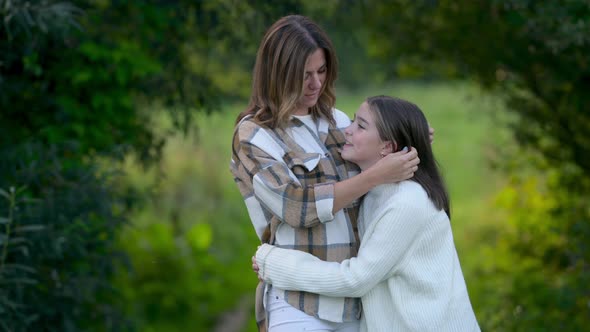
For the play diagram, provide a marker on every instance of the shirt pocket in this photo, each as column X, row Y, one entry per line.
column 306, row 167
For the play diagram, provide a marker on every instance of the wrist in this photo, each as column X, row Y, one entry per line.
column 261, row 255
column 371, row 177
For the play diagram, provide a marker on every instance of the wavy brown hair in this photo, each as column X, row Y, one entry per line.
column 403, row 122
column 278, row 75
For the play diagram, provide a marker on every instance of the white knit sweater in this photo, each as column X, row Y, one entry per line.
column 407, row 272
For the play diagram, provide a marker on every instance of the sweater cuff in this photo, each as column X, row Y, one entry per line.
column 261, row 255
column 324, row 201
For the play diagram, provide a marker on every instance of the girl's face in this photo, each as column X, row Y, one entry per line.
column 363, row 144
column 313, row 80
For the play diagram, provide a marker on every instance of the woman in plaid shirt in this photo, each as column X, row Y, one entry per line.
column 299, row 192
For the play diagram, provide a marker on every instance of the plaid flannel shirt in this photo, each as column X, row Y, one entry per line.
column 289, row 195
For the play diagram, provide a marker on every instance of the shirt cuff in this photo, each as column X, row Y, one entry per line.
column 324, row 201
column 261, row 255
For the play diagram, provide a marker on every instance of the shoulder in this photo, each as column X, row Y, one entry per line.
column 411, row 191
column 412, row 195
column 341, row 118
column 408, row 196
column 249, row 132
column 404, row 191
column 247, row 127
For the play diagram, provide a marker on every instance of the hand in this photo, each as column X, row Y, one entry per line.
column 431, row 134
column 396, row 167
column 255, row 267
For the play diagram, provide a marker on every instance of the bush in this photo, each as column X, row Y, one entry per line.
column 190, row 245
column 533, row 54
column 58, row 250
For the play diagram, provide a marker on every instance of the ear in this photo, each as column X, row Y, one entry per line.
column 389, row 147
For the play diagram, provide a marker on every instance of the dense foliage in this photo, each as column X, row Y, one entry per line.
column 191, row 243
column 57, row 234
column 59, row 212
column 78, row 81
column 81, row 87
column 534, row 54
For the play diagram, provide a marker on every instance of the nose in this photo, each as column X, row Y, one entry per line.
column 315, row 82
column 347, row 130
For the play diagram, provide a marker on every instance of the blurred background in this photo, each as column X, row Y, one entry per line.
column 118, row 211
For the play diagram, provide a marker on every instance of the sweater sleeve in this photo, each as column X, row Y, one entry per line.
column 382, row 250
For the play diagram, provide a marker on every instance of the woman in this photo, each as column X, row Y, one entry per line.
column 299, row 192
column 407, row 271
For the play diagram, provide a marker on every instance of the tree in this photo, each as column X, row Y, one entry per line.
column 79, row 82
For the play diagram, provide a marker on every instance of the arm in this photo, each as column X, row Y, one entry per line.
column 274, row 186
column 276, row 189
column 383, row 249
column 394, row 167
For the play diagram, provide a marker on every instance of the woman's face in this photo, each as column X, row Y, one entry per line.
column 363, row 144
column 313, row 80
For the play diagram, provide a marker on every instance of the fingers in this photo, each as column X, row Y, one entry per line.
column 412, row 158
column 411, row 166
column 431, row 134
column 255, row 267
column 409, row 158
column 410, row 173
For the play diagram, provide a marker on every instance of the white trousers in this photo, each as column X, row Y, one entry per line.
column 283, row 317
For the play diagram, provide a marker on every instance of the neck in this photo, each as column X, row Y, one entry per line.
column 366, row 165
column 301, row 111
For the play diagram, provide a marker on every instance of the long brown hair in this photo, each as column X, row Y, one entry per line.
column 278, row 75
column 403, row 122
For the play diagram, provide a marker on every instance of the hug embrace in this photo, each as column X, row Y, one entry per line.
column 356, row 235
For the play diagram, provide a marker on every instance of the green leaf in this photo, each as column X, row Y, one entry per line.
column 20, row 267
column 30, row 200
column 17, row 281
column 4, row 193
column 200, row 236
column 4, row 220
column 22, row 249
column 17, row 240
column 29, row 228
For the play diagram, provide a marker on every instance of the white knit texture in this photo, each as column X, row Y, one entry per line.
column 407, row 271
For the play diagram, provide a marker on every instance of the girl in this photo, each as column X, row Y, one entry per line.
column 407, row 271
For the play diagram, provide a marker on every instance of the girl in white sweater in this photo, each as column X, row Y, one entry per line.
column 407, row 271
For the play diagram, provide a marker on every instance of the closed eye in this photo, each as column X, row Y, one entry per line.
column 353, row 120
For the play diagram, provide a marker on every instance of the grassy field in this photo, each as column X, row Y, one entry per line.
column 465, row 136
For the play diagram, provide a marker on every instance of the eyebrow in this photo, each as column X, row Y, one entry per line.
column 311, row 71
column 361, row 119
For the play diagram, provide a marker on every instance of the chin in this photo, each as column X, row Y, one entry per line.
column 346, row 157
column 310, row 105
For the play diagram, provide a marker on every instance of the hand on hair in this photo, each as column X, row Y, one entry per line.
column 398, row 166
column 431, row 134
